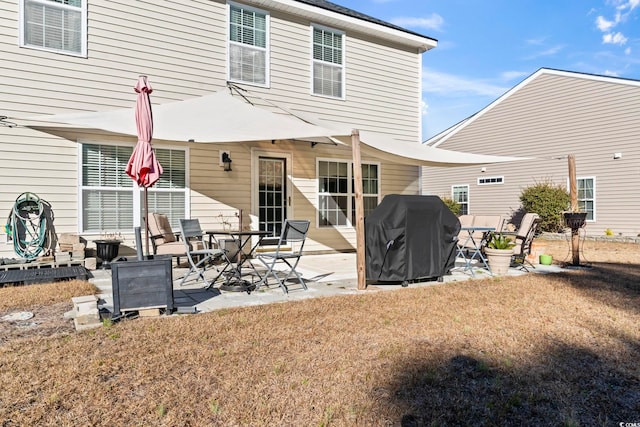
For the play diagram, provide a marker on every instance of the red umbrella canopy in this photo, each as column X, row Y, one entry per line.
column 143, row 167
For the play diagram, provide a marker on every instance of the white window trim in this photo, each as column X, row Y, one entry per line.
column 343, row 96
column 267, row 71
column 350, row 195
column 501, row 178
column 468, row 195
column 595, row 204
column 256, row 153
column 21, row 28
column 137, row 208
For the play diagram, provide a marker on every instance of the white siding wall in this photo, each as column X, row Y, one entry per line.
column 182, row 48
column 549, row 118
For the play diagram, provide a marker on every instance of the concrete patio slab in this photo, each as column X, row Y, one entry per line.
column 325, row 275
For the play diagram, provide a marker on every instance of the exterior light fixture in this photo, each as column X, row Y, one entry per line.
column 226, row 160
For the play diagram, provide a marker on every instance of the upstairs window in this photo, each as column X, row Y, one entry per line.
column 248, row 45
column 491, row 180
column 328, row 62
column 54, row 25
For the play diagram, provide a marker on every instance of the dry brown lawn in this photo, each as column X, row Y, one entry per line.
column 556, row 349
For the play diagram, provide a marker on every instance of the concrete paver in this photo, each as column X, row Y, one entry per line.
column 325, row 275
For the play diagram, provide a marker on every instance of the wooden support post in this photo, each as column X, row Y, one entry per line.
column 573, row 193
column 357, row 182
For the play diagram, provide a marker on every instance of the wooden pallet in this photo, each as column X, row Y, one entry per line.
column 42, row 272
column 41, row 264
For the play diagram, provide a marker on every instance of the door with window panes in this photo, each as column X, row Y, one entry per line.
column 272, row 195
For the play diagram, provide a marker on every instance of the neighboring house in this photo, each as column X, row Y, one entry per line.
column 548, row 116
column 309, row 56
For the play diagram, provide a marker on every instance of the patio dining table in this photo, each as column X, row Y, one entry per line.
column 246, row 243
column 470, row 248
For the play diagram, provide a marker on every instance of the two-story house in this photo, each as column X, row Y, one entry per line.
column 546, row 117
column 311, row 57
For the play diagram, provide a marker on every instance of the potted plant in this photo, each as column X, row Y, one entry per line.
column 499, row 250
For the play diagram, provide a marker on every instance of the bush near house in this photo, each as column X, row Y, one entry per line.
column 549, row 201
column 452, row 205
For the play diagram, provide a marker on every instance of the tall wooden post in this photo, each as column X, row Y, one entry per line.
column 573, row 193
column 357, row 182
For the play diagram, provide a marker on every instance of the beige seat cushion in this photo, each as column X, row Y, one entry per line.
column 160, row 229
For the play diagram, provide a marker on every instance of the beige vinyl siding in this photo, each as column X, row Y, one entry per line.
column 182, row 48
column 550, row 117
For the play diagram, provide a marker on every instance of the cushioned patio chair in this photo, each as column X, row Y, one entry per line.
column 163, row 240
column 288, row 252
column 200, row 256
column 523, row 238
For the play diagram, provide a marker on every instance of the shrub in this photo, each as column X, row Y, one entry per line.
column 452, row 205
column 500, row 241
column 549, row 201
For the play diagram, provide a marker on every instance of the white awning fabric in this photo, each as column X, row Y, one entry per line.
column 224, row 118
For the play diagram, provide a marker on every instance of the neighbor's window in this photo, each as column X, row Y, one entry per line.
column 460, row 195
column 328, row 62
column 587, row 196
column 248, row 45
column 491, row 180
column 336, row 198
column 55, row 25
column 108, row 192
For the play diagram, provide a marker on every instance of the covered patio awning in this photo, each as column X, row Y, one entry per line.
column 224, row 118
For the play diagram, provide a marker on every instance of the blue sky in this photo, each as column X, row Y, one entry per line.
column 487, row 47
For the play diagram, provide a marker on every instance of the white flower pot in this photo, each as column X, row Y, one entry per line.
column 499, row 260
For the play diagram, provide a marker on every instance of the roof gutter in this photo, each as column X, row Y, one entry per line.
column 333, row 18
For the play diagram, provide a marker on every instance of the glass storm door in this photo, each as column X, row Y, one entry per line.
column 272, row 194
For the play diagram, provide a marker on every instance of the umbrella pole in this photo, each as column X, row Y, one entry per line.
column 146, row 219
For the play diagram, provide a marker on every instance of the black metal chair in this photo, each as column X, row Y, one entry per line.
column 200, row 256
column 288, row 251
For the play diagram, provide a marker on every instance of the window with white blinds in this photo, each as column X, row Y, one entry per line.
column 55, row 25
column 248, row 45
column 108, row 192
column 328, row 62
column 168, row 195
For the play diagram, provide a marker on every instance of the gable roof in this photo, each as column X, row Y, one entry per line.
column 443, row 136
column 327, row 5
column 334, row 15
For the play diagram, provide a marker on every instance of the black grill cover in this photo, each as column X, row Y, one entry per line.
column 409, row 238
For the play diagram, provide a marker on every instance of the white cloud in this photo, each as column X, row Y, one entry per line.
column 611, row 38
column 452, row 85
column 603, row 24
column 548, row 52
column 512, row 75
column 424, row 107
column 610, row 73
column 536, row 42
column 627, row 51
column 623, row 10
column 433, row 22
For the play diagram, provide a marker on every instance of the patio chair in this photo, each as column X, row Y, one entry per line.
column 163, row 239
column 200, row 256
column 523, row 238
column 288, row 251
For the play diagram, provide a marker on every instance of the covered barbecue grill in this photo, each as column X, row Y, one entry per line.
column 409, row 238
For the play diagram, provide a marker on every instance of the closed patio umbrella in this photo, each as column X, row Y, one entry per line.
column 143, row 167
